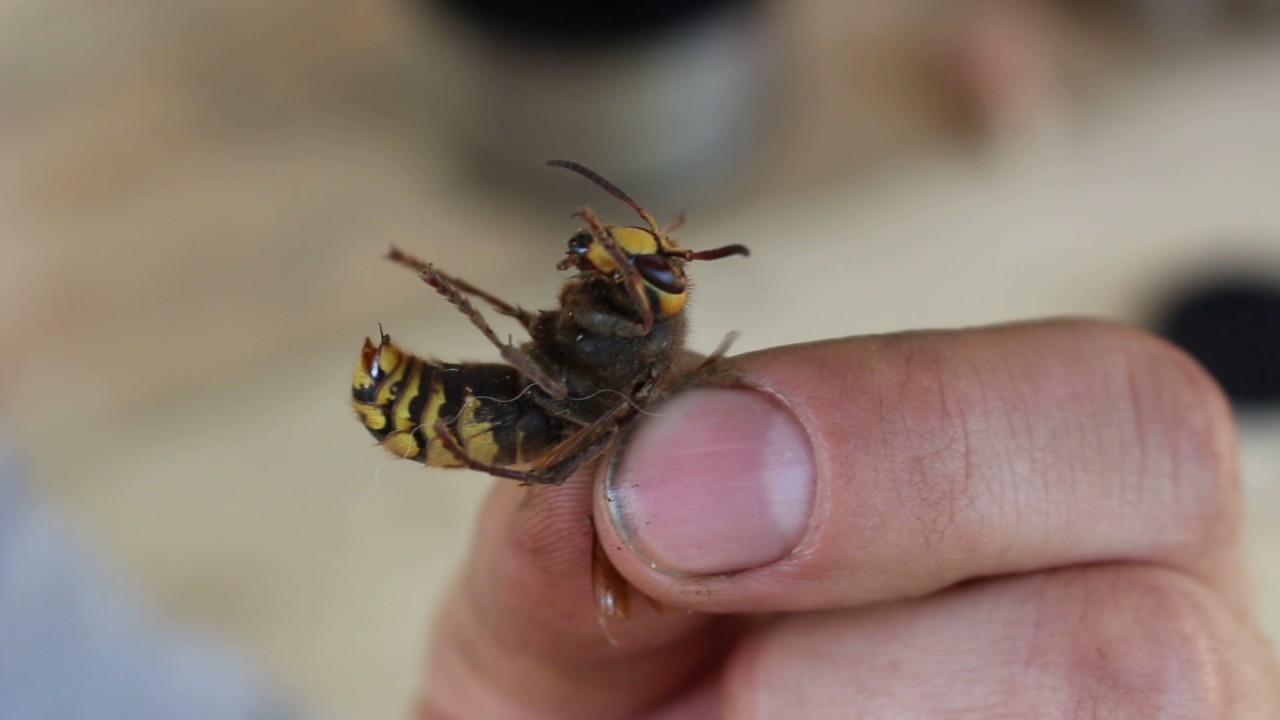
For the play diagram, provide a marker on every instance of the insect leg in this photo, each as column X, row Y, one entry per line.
column 631, row 279
column 525, row 317
column 446, row 438
column 554, row 475
column 721, row 350
column 396, row 255
column 558, row 464
column 675, row 224
column 519, row 360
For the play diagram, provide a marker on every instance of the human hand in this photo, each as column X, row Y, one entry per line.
column 1031, row 521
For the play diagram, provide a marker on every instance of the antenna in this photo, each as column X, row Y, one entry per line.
column 610, row 188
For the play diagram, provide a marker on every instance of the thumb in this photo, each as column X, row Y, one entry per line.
column 849, row 472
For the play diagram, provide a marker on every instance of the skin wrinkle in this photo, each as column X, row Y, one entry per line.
column 976, row 424
column 1051, row 609
column 822, row 509
column 522, row 659
column 1060, row 420
column 469, row 663
column 827, row 458
column 1209, row 435
column 548, row 541
column 1103, row 432
column 1200, row 495
column 922, row 387
column 1106, row 435
column 882, row 454
column 549, row 536
column 1143, row 636
column 1142, row 450
column 904, row 496
column 1206, row 487
column 1040, row 623
column 970, row 484
column 1000, row 407
column 1088, row 433
column 1023, row 458
column 871, row 514
column 1148, row 446
column 1036, row 424
column 1053, row 633
column 961, row 484
column 522, row 672
column 1202, row 499
column 946, row 479
column 1121, row 370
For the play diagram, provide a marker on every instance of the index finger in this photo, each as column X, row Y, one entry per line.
column 519, row 637
column 862, row 470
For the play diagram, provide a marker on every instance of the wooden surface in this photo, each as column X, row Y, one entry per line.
column 202, row 190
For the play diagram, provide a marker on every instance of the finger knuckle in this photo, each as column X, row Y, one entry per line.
column 1183, row 433
column 1146, row 644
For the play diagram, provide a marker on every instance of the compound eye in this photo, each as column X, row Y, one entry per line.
column 579, row 246
column 579, row 242
column 660, row 273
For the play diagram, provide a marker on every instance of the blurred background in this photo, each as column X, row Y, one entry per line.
column 195, row 197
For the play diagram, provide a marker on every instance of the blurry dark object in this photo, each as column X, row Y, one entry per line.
column 998, row 70
column 571, row 20
column 1179, row 20
column 1253, row 12
column 1232, row 326
column 672, row 97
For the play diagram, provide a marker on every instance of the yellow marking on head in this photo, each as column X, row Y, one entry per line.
column 670, row 304
column 632, row 240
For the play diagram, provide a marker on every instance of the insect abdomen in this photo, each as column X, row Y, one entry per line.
column 485, row 407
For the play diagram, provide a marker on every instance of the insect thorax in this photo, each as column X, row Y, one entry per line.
column 591, row 339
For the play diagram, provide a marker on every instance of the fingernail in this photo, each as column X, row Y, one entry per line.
column 713, row 481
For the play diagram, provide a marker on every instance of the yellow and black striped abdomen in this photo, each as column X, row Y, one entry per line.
column 485, row 407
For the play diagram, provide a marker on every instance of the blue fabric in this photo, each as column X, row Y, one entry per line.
column 75, row 644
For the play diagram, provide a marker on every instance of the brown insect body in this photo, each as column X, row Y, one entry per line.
column 589, row 366
column 588, row 339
